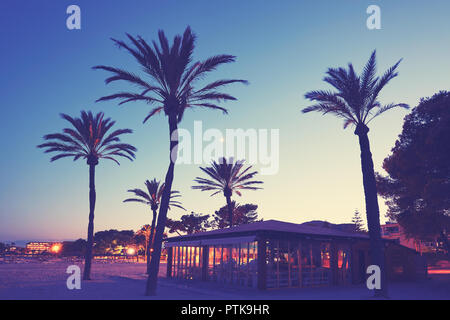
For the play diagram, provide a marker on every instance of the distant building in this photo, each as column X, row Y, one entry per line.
column 12, row 249
column 394, row 231
column 38, row 247
column 41, row 247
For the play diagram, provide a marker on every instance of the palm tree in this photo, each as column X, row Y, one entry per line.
column 170, row 83
column 152, row 198
column 356, row 102
column 89, row 140
column 227, row 178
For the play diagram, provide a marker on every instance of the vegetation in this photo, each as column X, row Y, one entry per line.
column 227, row 178
column 152, row 198
column 143, row 235
column 106, row 241
column 242, row 214
column 355, row 100
column 194, row 222
column 89, row 139
column 171, row 84
column 74, row 248
column 109, row 242
column 189, row 224
column 417, row 187
column 358, row 222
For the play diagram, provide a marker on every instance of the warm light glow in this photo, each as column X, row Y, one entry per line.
column 438, row 271
column 131, row 251
column 56, row 248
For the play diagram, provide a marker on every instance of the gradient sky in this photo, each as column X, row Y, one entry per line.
column 283, row 49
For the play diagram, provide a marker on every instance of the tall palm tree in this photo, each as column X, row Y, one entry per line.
column 227, row 177
column 89, row 139
column 170, row 83
column 356, row 102
column 152, row 198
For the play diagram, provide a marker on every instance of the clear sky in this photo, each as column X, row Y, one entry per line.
column 283, row 49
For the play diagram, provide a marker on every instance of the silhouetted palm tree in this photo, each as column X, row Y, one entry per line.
column 356, row 102
column 227, row 178
column 152, row 198
column 170, row 83
column 90, row 140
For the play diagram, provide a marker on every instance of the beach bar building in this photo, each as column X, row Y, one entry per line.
column 273, row 254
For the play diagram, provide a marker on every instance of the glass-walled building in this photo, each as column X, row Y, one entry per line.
column 270, row 254
column 231, row 260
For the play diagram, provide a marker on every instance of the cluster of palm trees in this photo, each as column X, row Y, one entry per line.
column 168, row 81
column 226, row 176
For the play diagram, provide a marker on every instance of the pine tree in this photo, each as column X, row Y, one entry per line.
column 358, row 222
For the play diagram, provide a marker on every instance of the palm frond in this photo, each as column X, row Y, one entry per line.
column 226, row 174
column 172, row 75
column 153, row 195
column 135, row 200
column 368, row 77
column 155, row 111
column 387, row 107
column 87, row 139
column 217, row 84
column 355, row 96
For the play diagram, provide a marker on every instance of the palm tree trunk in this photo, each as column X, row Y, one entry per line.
column 372, row 209
column 157, row 243
column 230, row 210
column 150, row 240
column 90, row 236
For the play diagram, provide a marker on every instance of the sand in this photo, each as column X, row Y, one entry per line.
column 47, row 280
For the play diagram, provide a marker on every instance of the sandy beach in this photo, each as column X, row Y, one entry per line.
column 117, row 281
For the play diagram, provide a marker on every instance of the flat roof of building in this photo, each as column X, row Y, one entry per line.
column 271, row 226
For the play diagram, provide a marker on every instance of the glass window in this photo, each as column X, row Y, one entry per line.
column 325, row 255
column 344, row 273
column 235, row 263
column 217, row 262
column 172, row 274
column 253, row 265
column 174, row 264
column 315, row 264
column 271, row 263
column 243, row 264
column 226, row 264
column 211, row 261
column 283, row 264
column 295, row 267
